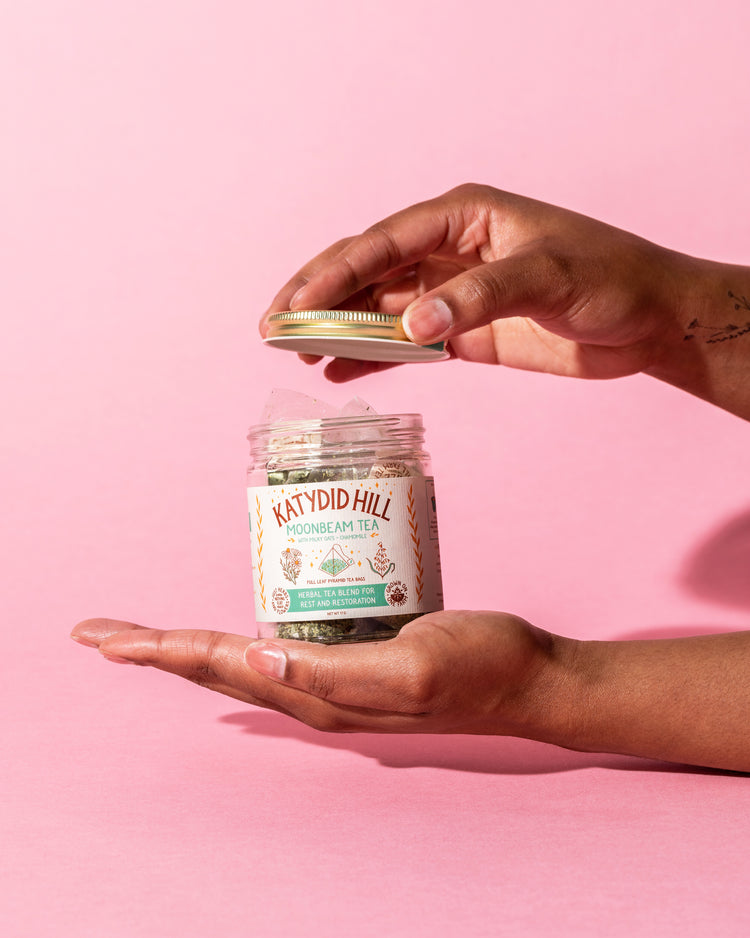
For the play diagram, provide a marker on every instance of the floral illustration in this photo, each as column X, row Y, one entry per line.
column 291, row 563
column 383, row 564
column 740, row 302
column 712, row 334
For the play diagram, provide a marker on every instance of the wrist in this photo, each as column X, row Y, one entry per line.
column 572, row 698
column 703, row 345
column 557, row 701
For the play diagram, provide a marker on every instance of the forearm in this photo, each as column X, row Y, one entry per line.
column 707, row 349
column 681, row 700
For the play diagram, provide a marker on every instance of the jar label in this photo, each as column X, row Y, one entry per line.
column 345, row 549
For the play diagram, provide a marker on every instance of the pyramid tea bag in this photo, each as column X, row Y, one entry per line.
column 335, row 562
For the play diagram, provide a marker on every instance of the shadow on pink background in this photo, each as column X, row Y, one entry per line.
column 165, row 167
column 717, row 569
column 494, row 756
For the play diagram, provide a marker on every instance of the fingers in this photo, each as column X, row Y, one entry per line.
column 92, row 632
column 387, row 249
column 341, row 370
column 444, row 672
column 535, row 282
column 283, row 299
column 217, row 661
column 396, row 676
column 211, row 659
column 479, row 255
column 197, row 655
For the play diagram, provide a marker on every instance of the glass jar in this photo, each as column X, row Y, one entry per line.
column 343, row 527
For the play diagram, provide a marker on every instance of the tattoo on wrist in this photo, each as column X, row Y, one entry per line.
column 733, row 330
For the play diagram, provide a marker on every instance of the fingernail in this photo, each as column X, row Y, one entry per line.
column 426, row 321
column 116, row 660
column 295, row 299
column 267, row 659
column 84, row 641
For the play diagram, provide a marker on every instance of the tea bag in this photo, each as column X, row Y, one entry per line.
column 282, row 406
column 285, row 409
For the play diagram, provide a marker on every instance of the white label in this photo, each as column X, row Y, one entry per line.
column 345, row 549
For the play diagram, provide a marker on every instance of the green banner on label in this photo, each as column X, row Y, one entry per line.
column 322, row 598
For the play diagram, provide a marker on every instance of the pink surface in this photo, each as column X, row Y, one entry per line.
column 164, row 167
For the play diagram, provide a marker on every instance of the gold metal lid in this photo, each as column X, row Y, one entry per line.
column 345, row 333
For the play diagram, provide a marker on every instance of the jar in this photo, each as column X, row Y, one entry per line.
column 343, row 527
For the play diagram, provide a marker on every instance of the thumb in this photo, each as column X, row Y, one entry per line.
column 306, row 666
column 376, row 675
column 528, row 283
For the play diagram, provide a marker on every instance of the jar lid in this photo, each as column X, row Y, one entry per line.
column 344, row 333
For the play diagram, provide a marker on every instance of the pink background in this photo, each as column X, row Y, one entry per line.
column 164, row 166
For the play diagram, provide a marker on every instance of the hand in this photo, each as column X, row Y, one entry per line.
column 505, row 280
column 478, row 673
column 447, row 672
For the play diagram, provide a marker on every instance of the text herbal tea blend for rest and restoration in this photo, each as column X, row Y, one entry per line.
column 343, row 527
